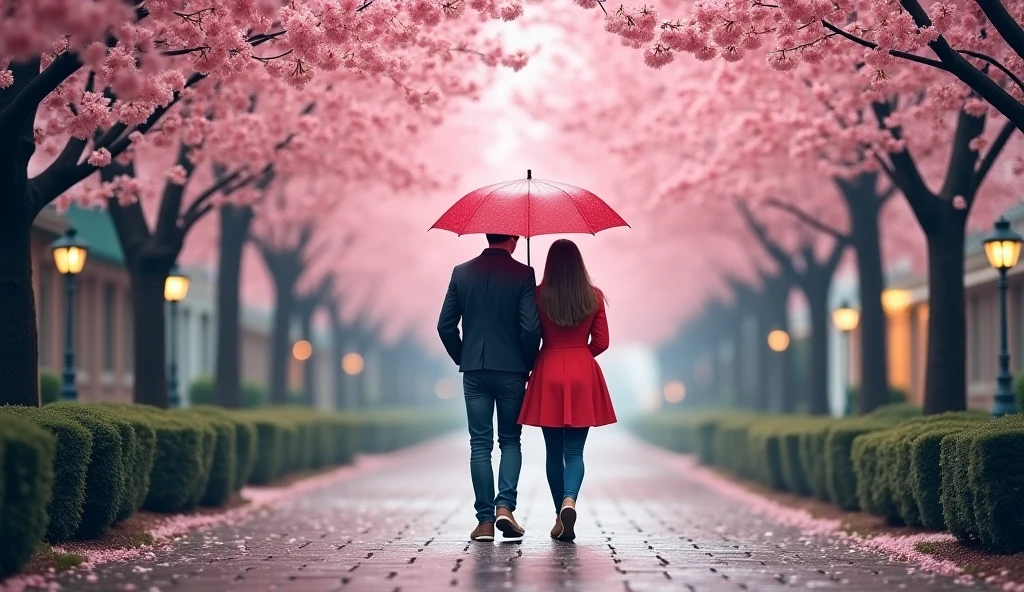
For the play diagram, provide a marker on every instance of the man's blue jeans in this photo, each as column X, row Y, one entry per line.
column 486, row 390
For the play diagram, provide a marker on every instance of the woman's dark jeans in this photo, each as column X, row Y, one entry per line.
column 564, row 462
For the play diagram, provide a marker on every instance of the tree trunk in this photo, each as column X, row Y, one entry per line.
column 150, row 335
column 342, row 394
column 19, row 336
column 280, row 350
column 764, row 384
column 234, row 230
column 309, row 365
column 817, row 394
column 945, row 384
column 863, row 203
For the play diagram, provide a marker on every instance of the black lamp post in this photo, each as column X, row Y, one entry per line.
column 846, row 318
column 69, row 255
column 1002, row 248
column 175, row 290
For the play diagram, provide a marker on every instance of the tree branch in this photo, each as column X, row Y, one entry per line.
column 895, row 53
column 1004, row 23
column 34, row 92
column 808, row 219
column 994, row 62
column 780, row 256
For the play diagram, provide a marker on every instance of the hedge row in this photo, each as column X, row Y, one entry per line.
column 71, row 471
column 956, row 471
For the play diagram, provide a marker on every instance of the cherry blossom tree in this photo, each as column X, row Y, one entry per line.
column 980, row 43
column 85, row 80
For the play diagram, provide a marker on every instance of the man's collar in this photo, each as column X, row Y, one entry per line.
column 499, row 252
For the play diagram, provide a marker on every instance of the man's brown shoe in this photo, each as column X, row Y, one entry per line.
column 484, row 532
column 567, row 516
column 556, row 530
column 507, row 524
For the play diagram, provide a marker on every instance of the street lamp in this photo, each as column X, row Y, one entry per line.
column 302, row 350
column 674, row 391
column 1002, row 248
column 778, row 340
column 846, row 318
column 175, row 290
column 69, row 255
column 352, row 363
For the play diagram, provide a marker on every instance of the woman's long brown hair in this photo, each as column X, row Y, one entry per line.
column 568, row 297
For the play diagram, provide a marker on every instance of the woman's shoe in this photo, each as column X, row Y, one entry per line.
column 556, row 530
column 567, row 516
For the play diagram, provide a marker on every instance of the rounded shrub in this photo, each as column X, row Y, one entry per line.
column 178, row 462
column 26, row 467
column 245, row 441
column 220, row 483
column 104, row 478
column 49, row 387
column 129, row 456
column 200, row 392
column 70, row 463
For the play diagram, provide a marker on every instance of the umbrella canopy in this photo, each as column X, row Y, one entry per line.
column 529, row 207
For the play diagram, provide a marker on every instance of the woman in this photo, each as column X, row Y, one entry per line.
column 567, row 394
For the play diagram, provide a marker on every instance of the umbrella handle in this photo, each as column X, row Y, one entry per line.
column 528, row 252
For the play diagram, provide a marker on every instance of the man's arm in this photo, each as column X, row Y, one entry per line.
column 529, row 320
column 448, row 323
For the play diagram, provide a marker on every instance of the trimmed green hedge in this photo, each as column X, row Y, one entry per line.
column 982, row 493
column 112, row 459
column 26, row 467
column 104, row 478
column 953, row 470
column 70, row 461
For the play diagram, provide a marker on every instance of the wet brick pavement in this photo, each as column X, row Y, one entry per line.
column 404, row 528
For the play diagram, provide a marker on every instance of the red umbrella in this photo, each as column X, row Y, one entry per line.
column 529, row 207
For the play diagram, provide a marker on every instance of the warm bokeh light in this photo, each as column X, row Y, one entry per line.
column 352, row 363
column 176, row 287
column 302, row 350
column 846, row 318
column 895, row 300
column 778, row 340
column 674, row 391
column 446, row 388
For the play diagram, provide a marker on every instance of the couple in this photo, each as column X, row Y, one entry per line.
column 504, row 316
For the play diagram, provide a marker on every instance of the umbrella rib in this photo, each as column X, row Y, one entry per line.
column 574, row 204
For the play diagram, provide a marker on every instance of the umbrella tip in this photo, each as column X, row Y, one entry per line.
column 529, row 173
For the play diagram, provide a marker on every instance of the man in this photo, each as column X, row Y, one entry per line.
column 494, row 296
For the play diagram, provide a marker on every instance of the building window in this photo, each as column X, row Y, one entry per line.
column 129, row 333
column 204, row 344
column 974, row 325
column 109, row 298
column 45, row 320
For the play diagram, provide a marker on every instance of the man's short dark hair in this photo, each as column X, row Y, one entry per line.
column 495, row 239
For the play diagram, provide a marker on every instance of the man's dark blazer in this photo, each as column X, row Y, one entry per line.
column 495, row 297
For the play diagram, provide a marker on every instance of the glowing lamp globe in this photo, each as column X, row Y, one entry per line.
column 352, row 363
column 302, row 350
column 69, row 253
column 176, row 285
column 778, row 340
column 895, row 300
column 845, row 318
column 1002, row 245
column 674, row 392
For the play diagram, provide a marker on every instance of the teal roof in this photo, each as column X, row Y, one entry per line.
column 96, row 228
